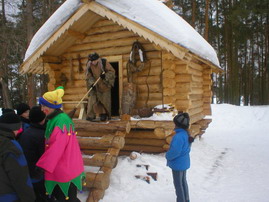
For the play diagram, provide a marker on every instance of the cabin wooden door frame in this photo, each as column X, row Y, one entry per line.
column 118, row 59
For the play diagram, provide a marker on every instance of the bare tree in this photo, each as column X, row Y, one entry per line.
column 4, row 55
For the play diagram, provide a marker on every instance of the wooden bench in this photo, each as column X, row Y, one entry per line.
column 81, row 107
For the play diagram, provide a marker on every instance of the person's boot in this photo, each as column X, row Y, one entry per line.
column 103, row 117
column 90, row 118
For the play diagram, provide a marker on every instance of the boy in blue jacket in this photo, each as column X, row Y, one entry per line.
column 178, row 156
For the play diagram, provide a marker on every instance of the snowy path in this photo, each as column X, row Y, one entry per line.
column 237, row 144
column 229, row 164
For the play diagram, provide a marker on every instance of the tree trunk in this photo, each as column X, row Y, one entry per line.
column 206, row 19
column 193, row 13
column 31, row 78
column 4, row 65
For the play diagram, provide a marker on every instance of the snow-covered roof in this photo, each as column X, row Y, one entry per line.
column 151, row 14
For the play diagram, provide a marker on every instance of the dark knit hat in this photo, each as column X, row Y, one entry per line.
column 6, row 110
column 36, row 115
column 182, row 120
column 93, row 56
column 21, row 108
column 10, row 121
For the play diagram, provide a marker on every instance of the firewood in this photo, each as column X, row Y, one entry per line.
column 153, row 175
column 143, row 165
column 145, row 178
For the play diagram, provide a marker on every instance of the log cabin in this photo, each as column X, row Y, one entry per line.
column 158, row 57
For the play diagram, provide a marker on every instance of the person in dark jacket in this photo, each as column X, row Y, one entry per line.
column 7, row 110
column 178, row 156
column 15, row 182
column 23, row 110
column 32, row 142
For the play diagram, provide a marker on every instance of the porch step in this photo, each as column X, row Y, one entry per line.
column 100, row 143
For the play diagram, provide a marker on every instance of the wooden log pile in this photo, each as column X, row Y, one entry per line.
column 103, row 141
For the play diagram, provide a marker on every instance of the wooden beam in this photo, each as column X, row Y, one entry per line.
column 76, row 34
column 87, row 1
column 51, row 59
column 176, row 50
column 27, row 64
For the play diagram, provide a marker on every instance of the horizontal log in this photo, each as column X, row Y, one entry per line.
column 150, row 96
column 151, row 103
column 169, row 99
column 207, row 71
column 73, row 90
column 168, row 56
column 194, row 130
column 142, row 134
column 96, row 195
column 207, row 112
column 123, row 42
column 183, row 96
column 144, row 142
column 196, row 66
column 196, row 117
column 195, row 72
column 149, row 54
column 183, row 87
column 103, row 29
column 195, row 96
column 196, row 103
column 147, row 80
column 103, row 22
column 188, row 78
column 110, row 127
column 97, row 180
column 108, row 36
column 204, row 123
column 183, row 103
column 183, row 78
column 93, row 151
column 150, row 124
column 182, row 69
column 169, row 91
column 153, row 88
column 196, row 110
column 104, row 52
column 143, row 149
column 105, row 141
column 100, row 160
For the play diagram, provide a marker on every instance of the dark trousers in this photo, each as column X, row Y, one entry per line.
column 40, row 191
column 72, row 194
column 181, row 186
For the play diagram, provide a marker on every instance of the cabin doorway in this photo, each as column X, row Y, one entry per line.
column 115, row 98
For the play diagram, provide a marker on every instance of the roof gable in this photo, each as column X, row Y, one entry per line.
column 148, row 18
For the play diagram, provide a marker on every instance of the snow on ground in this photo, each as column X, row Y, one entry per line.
column 228, row 164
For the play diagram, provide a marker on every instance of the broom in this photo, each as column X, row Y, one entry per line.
column 73, row 111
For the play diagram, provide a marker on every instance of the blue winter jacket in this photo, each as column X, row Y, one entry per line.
column 178, row 156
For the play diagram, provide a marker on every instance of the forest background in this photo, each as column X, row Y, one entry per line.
column 237, row 29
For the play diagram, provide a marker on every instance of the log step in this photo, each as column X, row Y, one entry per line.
column 103, row 141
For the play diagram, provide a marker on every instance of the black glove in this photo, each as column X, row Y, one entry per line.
column 92, row 86
column 103, row 76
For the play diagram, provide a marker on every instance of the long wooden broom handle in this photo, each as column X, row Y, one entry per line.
column 94, row 84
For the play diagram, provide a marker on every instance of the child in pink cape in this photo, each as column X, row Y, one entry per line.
column 62, row 160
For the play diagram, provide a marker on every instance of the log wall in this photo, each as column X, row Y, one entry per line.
column 109, row 39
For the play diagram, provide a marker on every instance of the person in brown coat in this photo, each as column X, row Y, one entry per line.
column 99, row 100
